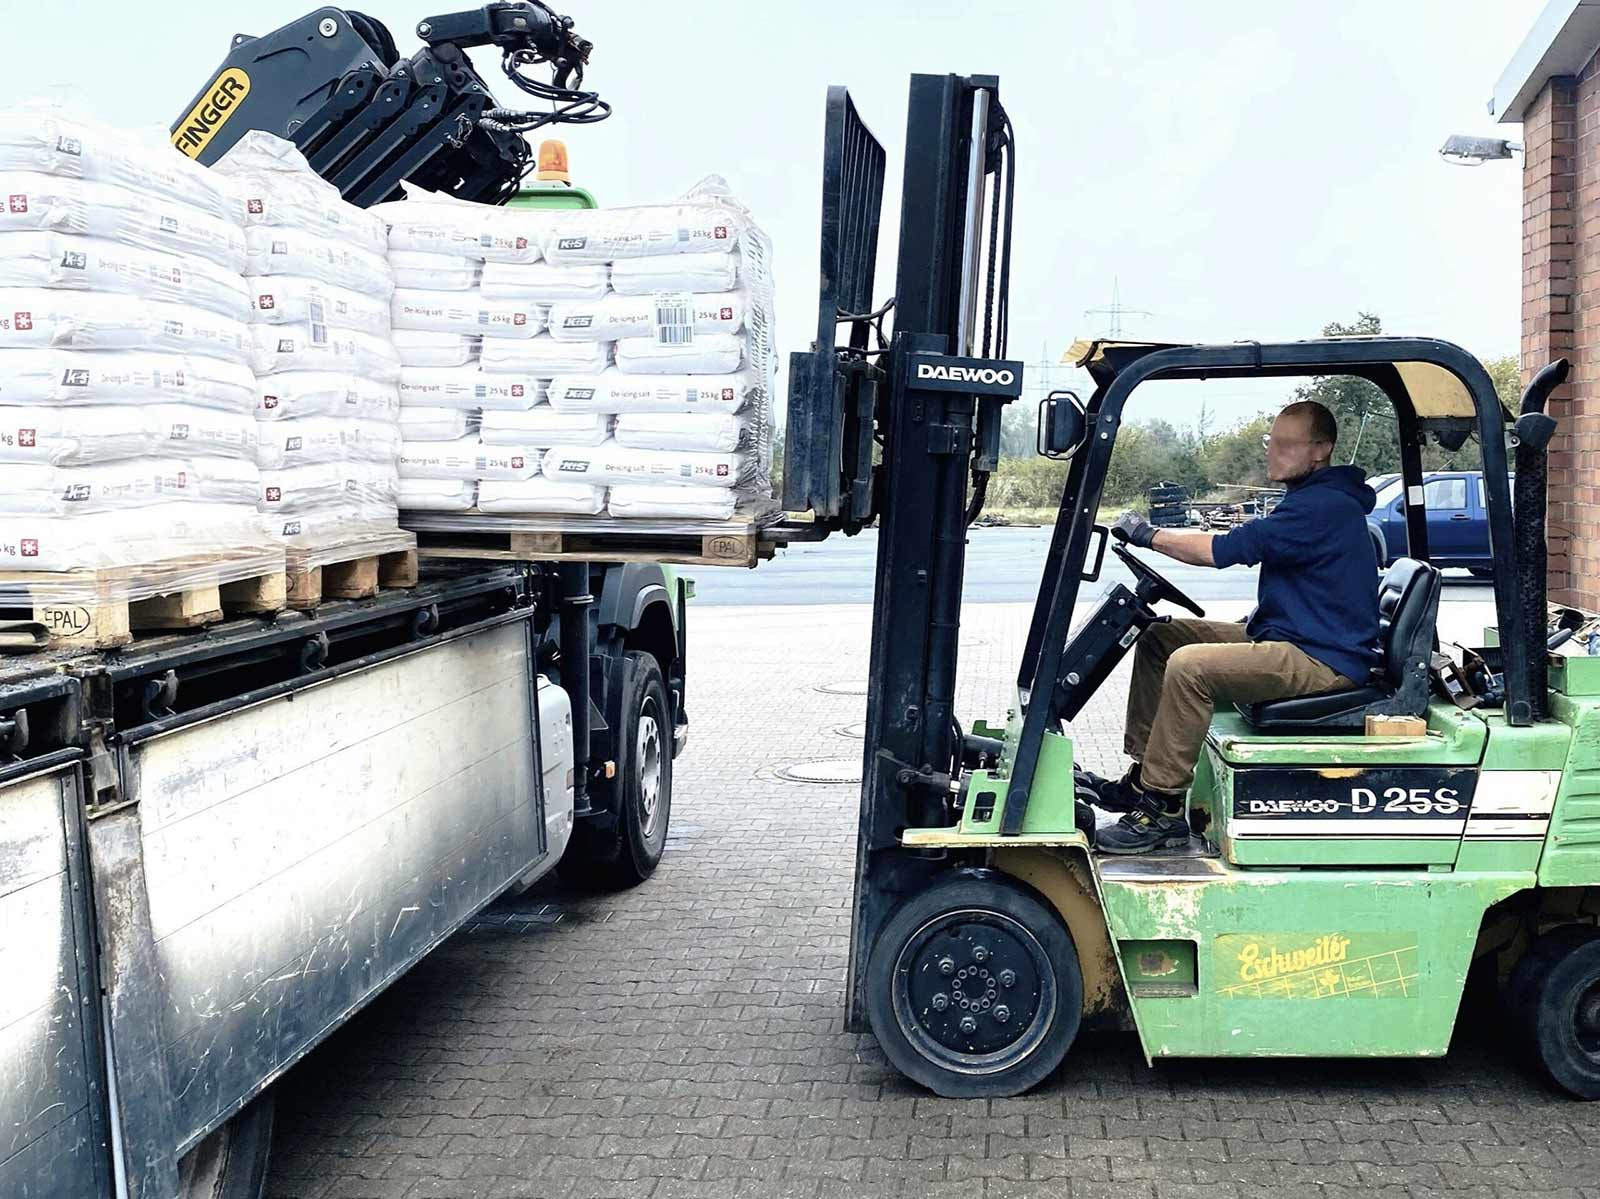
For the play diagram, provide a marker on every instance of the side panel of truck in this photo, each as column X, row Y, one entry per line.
column 50, row 1135
column 297, row 854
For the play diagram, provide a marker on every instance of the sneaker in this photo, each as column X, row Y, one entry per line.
column 1145, row 828
column 1109, row 795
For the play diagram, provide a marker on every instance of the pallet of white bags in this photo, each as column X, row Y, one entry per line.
column 103, row 609
column 488, row 538
column 357, row 568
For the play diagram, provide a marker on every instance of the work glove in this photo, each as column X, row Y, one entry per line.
column 1135, row 530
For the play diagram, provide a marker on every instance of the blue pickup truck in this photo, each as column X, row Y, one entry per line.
column 1458, row 520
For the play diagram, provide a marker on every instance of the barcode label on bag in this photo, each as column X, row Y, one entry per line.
column 674, row 318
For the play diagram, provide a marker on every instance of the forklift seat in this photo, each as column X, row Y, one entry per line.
column 1408, row 609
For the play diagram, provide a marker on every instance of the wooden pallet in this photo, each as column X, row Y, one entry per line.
column 353, row 572
column 742, row 546
column 104, row 618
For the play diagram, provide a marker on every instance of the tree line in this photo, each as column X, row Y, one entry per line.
column 1222, row 464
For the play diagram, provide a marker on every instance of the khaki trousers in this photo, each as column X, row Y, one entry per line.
column 1183, row 669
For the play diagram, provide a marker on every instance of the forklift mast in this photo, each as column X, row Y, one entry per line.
column 932, row 399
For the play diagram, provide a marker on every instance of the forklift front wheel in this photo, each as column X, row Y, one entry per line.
column 974, row 988
column 1560, row 997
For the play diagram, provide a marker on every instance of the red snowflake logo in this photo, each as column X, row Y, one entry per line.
column 727, row 395
column 255, row 207
column 727, row 314
column 266, row 302
column 30, row 547
column 516, row 462
column 18, row 204
column 518, row 390
column 27, row 437
column 522, row 243
column 274, row 494
column 720, row 233
column 23, row 321
column 520, row 318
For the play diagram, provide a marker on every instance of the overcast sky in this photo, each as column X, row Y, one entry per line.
column 1251, row 169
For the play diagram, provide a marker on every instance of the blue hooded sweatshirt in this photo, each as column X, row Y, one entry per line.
column 1318, row 588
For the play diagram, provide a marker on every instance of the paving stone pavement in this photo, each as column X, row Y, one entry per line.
column 685, row 1039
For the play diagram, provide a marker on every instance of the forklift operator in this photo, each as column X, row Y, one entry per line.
column 1315, row 627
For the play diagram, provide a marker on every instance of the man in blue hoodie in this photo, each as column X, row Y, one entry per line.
column 1315, row 626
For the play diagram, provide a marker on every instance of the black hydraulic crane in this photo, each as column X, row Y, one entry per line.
column 333, row 83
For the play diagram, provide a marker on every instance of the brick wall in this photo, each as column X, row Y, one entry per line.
column 1561, row 314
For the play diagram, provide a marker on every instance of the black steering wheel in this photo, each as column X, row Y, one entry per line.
column 1151, row 586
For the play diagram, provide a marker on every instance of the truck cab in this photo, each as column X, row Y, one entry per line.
column 1458, row 520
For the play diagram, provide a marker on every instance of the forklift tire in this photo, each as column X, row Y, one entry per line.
column 231, row 1162
column 627, row 853
column 974, row 988
column 1561, row 1013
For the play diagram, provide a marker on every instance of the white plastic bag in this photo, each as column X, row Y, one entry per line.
column 613, row 391
column 434, row 424
column 611, row 234
column 437, row 495
column 482, row 231
column 434, row 349
column 270, row 183
column 300, row 348
column 709, row 354
column 546, row 357
column 544, row 426
column 59, row 260
column 541, row 496
column 86, row 436
column 467, row 458
column 358, row 486
column 321, row 528
column 700, row 432
column 612, row 465
column 685, row 503
column 117, row 486
column 717, row 271
column 433, row 272
column 671, row 318
column 468, row 388
column 465, row 312
column 75, row 378
column 47, row 139
column 34, row 318
column 275, row 250
column 294, row 394
column 37, row 203
column 316, row 439
column 544, row 282
column 290, row 300
column 136, row 537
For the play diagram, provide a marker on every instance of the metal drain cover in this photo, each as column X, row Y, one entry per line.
column 843, row 688
column 858, row 731
column 834, row 770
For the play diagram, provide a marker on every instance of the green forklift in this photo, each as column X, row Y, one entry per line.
column 1337, row 887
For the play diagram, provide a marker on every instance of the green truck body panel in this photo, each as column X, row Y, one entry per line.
column 556, row 196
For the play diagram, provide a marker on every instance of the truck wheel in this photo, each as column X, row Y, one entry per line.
column 1560, row 995
column 231, row 1163
column 974, row 988
column 627, row 854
